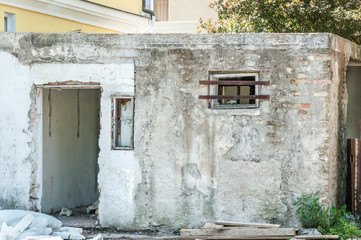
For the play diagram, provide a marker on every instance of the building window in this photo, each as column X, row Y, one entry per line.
column 234, row 90
column 9, row 22
column 161, row 10
column 5, row 24
column 122, row 122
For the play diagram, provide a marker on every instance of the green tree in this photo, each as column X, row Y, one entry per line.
column 341, row 17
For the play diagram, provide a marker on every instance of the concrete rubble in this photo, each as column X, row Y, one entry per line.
column 65, row 212
column 28, row 225
column 93, row 208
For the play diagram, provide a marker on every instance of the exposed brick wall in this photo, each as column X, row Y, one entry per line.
column 198, row 164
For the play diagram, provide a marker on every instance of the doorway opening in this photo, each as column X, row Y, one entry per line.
column 353, row 130
column 70, row 147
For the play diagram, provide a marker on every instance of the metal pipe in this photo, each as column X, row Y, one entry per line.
column 151, row 12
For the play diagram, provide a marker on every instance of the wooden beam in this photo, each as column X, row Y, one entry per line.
column 235, row 83
column 316, row 237
column 244, row 224
column 236, row 231
column 238, row 237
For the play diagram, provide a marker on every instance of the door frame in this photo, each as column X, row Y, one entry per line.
column 38, row 130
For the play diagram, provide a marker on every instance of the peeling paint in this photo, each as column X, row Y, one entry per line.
column 190, row 164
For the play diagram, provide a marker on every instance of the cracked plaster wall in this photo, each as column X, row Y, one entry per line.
column 191, row 164
column 342, row 52
column 15, row 164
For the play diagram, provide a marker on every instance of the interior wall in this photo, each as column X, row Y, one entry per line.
column 70, row 148
column 353, row 81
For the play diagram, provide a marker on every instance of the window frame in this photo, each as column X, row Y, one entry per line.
column 9, row 22
column 6, row 23
column 114, row 125
column 216, row 77
column 213, row 90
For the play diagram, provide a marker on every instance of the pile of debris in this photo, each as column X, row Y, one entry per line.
column 92, row 209
column 239, row 230
column 28, row 225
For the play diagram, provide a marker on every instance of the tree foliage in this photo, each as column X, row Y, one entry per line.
column 341, row 17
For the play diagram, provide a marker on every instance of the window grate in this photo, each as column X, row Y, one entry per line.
column 235, row 83
column 263, row 97
column 234, row 90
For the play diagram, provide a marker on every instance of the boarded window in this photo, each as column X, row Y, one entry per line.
column 234, row 90
column 122, row 122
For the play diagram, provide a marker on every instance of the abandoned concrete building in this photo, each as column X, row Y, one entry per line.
column 175, row 130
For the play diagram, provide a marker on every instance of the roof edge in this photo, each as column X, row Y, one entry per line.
column 85, row 12
column 345, row 46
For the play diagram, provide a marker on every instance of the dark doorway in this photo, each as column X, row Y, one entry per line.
column 70, row 147
column 353, row 184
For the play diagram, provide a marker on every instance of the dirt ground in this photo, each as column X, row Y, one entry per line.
column 90, row 226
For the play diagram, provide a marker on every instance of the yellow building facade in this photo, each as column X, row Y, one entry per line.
column 181, row 16
column 95, row 16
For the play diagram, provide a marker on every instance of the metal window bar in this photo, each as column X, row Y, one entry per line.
column 235, row 83
column 261, row 97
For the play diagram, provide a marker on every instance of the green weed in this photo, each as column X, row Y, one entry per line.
column 330, row 221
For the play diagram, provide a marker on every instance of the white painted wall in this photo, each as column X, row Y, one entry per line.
column 15, row 143
column 18, row 145
column 70, row 159
column 118, row 167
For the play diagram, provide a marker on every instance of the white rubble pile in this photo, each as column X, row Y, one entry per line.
column 70, row 233
column 28, row 225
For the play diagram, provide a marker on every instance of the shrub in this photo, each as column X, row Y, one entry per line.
column 312, row 214
column 330, row 221
column 343, row 224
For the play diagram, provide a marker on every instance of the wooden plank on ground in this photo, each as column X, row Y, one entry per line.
column 238, row 237
column 316, row 237
column 236, row 231
column 244, row 224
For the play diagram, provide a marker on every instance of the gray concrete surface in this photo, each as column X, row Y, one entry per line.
column 190, row 164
